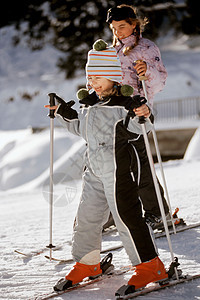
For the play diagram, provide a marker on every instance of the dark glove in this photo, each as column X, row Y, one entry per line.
column 65, row 108
column 135, row 101
column 138, row 101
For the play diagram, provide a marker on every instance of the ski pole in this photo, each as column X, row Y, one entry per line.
column 142, row 79
column 51, row 115
column 149, row 154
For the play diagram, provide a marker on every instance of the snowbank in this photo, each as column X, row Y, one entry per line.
column 193, row 149
column 25, row 157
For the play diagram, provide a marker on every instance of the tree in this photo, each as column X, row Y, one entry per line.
column 76, row 28
column 73, row 26
column 29, row 18
column 191, row 20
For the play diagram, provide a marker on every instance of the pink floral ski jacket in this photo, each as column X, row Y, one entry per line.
column 156, row 73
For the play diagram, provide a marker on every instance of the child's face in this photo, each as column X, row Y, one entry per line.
column 101, row 85
column 122, row 29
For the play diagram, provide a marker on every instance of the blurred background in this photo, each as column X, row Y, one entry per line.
column 72, row 26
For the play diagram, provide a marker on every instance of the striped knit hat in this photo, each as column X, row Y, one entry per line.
column 103, row 61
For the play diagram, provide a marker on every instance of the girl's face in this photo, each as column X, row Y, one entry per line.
column 122, row 29
column 101, row 85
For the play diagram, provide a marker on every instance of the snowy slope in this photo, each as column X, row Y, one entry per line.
column 25, row 157
column 25, row 226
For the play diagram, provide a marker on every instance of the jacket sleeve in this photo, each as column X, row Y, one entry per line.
column 156, row 72
column 68, row 117
column 135, row 126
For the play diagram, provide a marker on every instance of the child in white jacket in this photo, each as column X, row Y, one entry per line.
column 108, row 184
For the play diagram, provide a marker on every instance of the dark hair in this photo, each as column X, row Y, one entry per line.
column 120, row 13
column 129, row 14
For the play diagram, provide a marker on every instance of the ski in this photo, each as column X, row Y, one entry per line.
column 36, row 253
column 176, row 220
column 159, row 234
column 179, row 228
column 152, row 287
column 112, row 248
column 78, row 286
column 109, row 230
column 70, row 260
column 83, row 284
column 31, row 254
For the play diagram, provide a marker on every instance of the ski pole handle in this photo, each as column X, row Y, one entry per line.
column 52, row 103
column 137, row 102
column 141, row 77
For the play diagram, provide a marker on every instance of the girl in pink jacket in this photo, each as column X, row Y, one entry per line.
column 131, row 47
column 139, row 57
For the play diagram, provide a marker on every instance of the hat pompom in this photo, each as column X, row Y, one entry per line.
column 82, row 93
column 127, row 90
column 100, row 45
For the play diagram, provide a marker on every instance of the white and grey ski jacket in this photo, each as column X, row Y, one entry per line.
column 103, row 126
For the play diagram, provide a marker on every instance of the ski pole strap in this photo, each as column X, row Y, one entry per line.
column 52, row 103
column 137, row 101
column 142, row 120
column 61, row 101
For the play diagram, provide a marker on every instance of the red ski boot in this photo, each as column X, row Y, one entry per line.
column 146, row 272
column 77, row 274
column 81, row 271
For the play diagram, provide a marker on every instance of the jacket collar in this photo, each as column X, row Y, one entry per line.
column 93, row 99
column 130, row 40
column 90, row 100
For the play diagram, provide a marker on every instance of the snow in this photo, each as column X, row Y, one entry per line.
column 24, row 178
column 24, row 224
column 25, row 157
column 192, row 151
